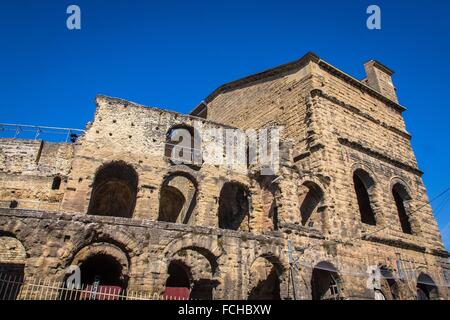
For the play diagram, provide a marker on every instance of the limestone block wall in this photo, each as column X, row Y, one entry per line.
column 122, row 131
column 333, row 125
column 27, row 171
column 230, row 260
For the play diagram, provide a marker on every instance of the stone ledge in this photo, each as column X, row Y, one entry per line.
column 376, row 154
column 351, row 108
column 399, row 243
column 142, row 223
column 301, row 230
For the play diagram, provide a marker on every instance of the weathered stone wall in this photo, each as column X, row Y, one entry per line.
column 146, row 248
column 27, row 170
column 346, row 126
column 333, row 125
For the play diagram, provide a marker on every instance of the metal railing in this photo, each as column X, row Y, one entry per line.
column 14, row 287
column 23, row 131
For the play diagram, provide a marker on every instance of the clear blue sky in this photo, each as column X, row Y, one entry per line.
column 171, row 54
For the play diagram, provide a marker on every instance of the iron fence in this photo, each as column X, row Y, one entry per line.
column 23, row 131
column 15, row 287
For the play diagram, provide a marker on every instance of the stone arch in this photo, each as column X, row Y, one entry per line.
column 326, row 283
column 200, row 244
column 364, row 186
column 20, row 236
column 11, row 249
column 402, row 197
column 201, row 266
column 399, row 180
column 178, row 198
column 177, row 151
column 114, row 190
column 311, row 200
column 212, row 248
column 426, row 288
column 234, row 206
column 102, row 234
column 270, row 192
column 104, row 263
column 198, row 264
column 264, row 278
column 389, row 287
column 12, row 266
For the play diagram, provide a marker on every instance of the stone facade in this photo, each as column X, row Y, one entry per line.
column 347, row 203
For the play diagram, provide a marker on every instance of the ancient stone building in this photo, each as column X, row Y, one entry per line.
column 345, row 217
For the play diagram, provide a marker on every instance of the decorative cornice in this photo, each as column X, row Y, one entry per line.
column 320, row 93
column 309, row 57
column 376, row 154
column 399, row 243
column 349, row 79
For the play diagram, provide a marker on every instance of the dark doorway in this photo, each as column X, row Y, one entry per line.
column 312, row 196
column 203, row 289
column 264, row 281
column 400, row 196
column 234, row 207
column 178, row 198
column 102, row 278
column 178, row 284
column 267, row 289
column 362, row 195
column 171, row 203
column 389, row 286
column 426, row 288
column 102, row 268
column 325, row 282
column 114, row 191
column 11, row 279
column 56, row 183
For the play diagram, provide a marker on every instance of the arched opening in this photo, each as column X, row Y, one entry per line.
column 363, row 183
column 401, row 196
column 270, row 193
column 264, row 281
column 183, row 146
column 171, row 203
column 199, row 266
column 102, row 278
column 310, row 197
column 203, row 289
column 426, row 288
column 178, row 284
column 177, row 199
column 234, row 207
column 56, row 184
column 102, row 268
column 388, row 286
column 114, row 190
column 325, row 282
column 12, row 267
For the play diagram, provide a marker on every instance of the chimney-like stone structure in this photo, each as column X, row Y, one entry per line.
column 379, row 77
